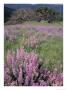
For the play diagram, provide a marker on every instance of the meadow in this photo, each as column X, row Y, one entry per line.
column 42, row 38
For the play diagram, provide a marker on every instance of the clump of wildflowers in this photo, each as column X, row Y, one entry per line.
column 25, row 69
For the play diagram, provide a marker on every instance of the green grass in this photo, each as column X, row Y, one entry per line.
column 51, row 52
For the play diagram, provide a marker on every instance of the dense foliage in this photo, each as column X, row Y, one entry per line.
column 30, row 14
column 25, row 69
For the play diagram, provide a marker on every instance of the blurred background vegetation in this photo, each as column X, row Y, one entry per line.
column 33, row 13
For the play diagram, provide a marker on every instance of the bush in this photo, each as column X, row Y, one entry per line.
column 25, row 69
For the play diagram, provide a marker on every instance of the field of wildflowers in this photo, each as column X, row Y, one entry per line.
column 33, row 54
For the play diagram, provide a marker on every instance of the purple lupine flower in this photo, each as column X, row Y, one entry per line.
column 20, row 78
column 27, row 81
column 18, row 55
column 22, row 52
column 30, row 70
column 27, row 72
column 9, row 58
column 13, row 83
column 14, row 67
column 42, row 83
